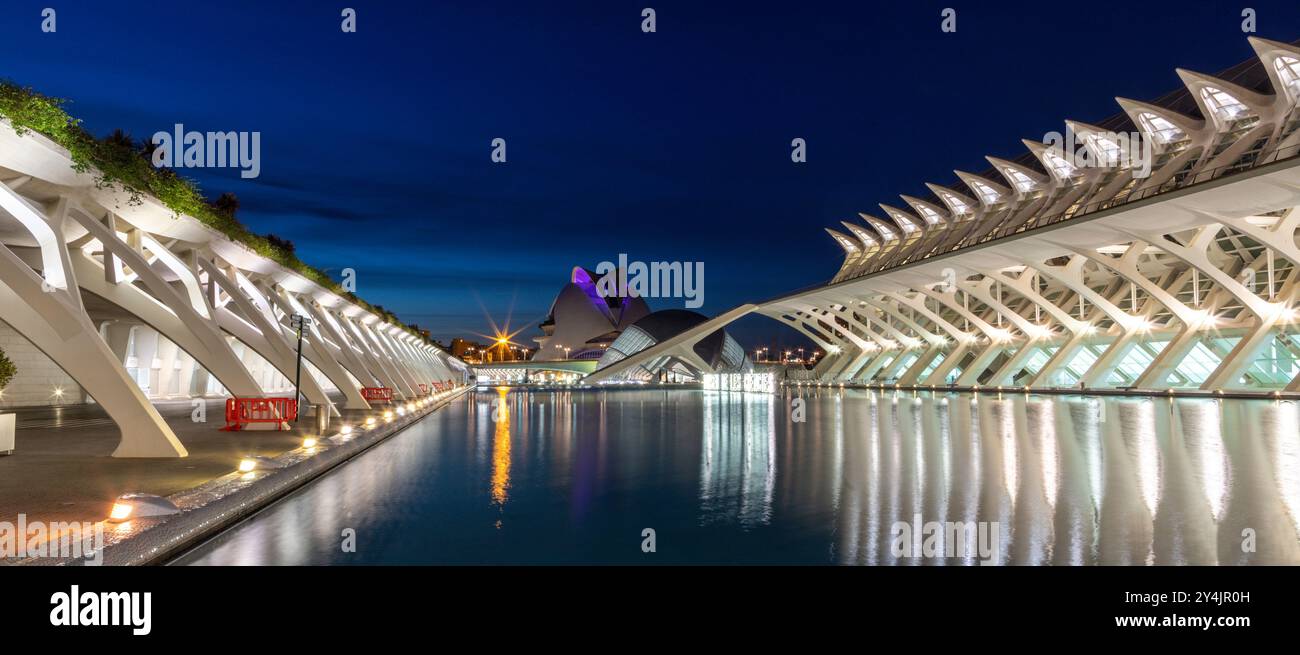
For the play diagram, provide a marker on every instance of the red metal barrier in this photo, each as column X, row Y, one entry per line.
column 241, row 412
column 437, row 386
column 377, row 394
column 424, row 390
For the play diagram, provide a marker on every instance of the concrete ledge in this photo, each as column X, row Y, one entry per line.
column 224, row 502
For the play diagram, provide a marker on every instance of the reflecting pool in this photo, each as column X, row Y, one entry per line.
column 808, row 476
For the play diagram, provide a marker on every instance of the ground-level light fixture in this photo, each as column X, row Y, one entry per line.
column 345, row 430
column 388, row 415
column 138, row 506
column 258, row 463
column 309, row 442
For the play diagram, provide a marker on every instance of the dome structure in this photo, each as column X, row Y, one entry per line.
column 582, row 322
column 716, row 353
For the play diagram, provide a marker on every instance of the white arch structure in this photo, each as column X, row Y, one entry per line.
column 1053, row 270
column 66, row 245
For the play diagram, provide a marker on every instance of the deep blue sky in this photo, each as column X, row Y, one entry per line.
column 665, row 146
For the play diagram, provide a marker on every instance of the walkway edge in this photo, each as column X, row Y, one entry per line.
column 179, row 533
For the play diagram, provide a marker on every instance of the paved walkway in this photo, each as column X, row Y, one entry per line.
column 62, row 468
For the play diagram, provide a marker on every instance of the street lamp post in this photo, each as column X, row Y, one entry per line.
column 299, row 323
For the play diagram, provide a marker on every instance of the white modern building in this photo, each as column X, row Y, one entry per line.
column 717, row 352
column 1084, row 262
column 583, row 322
column 122, row 302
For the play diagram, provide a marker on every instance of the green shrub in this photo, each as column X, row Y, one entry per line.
column 117, row 163
column 7, row 370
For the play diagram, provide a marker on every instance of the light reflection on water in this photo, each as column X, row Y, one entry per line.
column 501, row 448
column 574, row 477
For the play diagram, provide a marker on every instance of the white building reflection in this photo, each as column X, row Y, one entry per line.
column 1069, row 480
column 738, row 458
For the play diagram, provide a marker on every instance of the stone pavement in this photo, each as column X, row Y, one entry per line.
column 62, row 468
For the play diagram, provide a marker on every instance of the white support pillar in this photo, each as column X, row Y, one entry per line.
column 996, row 337
column 1268, row 314
column 332, row 341
column 253, row 330
column 1071, row 277
column 44, row 315
column 188, row 324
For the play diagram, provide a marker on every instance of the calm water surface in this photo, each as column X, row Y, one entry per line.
column 575, row 477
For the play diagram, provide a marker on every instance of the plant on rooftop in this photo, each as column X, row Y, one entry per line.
column 117, row 162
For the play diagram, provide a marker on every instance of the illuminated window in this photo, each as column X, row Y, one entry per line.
column 1075, row 370
column 1105, row 148
column 1135, row 362
column 958, row 207
column 862, row 235
column 1057, row 164
column 1039, row 359
column 987, row 194
column 1225, row 107
column 1288, row 69
column 1018, row 179
column 1196, row 367
column 1160, row 129
column 885, row 232
column 934, row 363
column 931, row 216
column 1276, row 365
column 846, row 242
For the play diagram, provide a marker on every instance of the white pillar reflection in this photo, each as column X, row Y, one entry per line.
column 999, row 484
column 968, row 465
column 1259, row 525
column 738, row 458
column 1036, row 495
column 1131, row 475
column 1078, row 429
column 1185, row 530
column 933, row 441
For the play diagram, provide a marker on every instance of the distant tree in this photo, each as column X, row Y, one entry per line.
column 147, row 148
column 228, row 204
column 286, row 246
column 120, row 139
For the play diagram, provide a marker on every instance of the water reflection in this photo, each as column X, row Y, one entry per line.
column 1076, row 481
column 501, row 448
column 572, row 477
column 738, row 459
